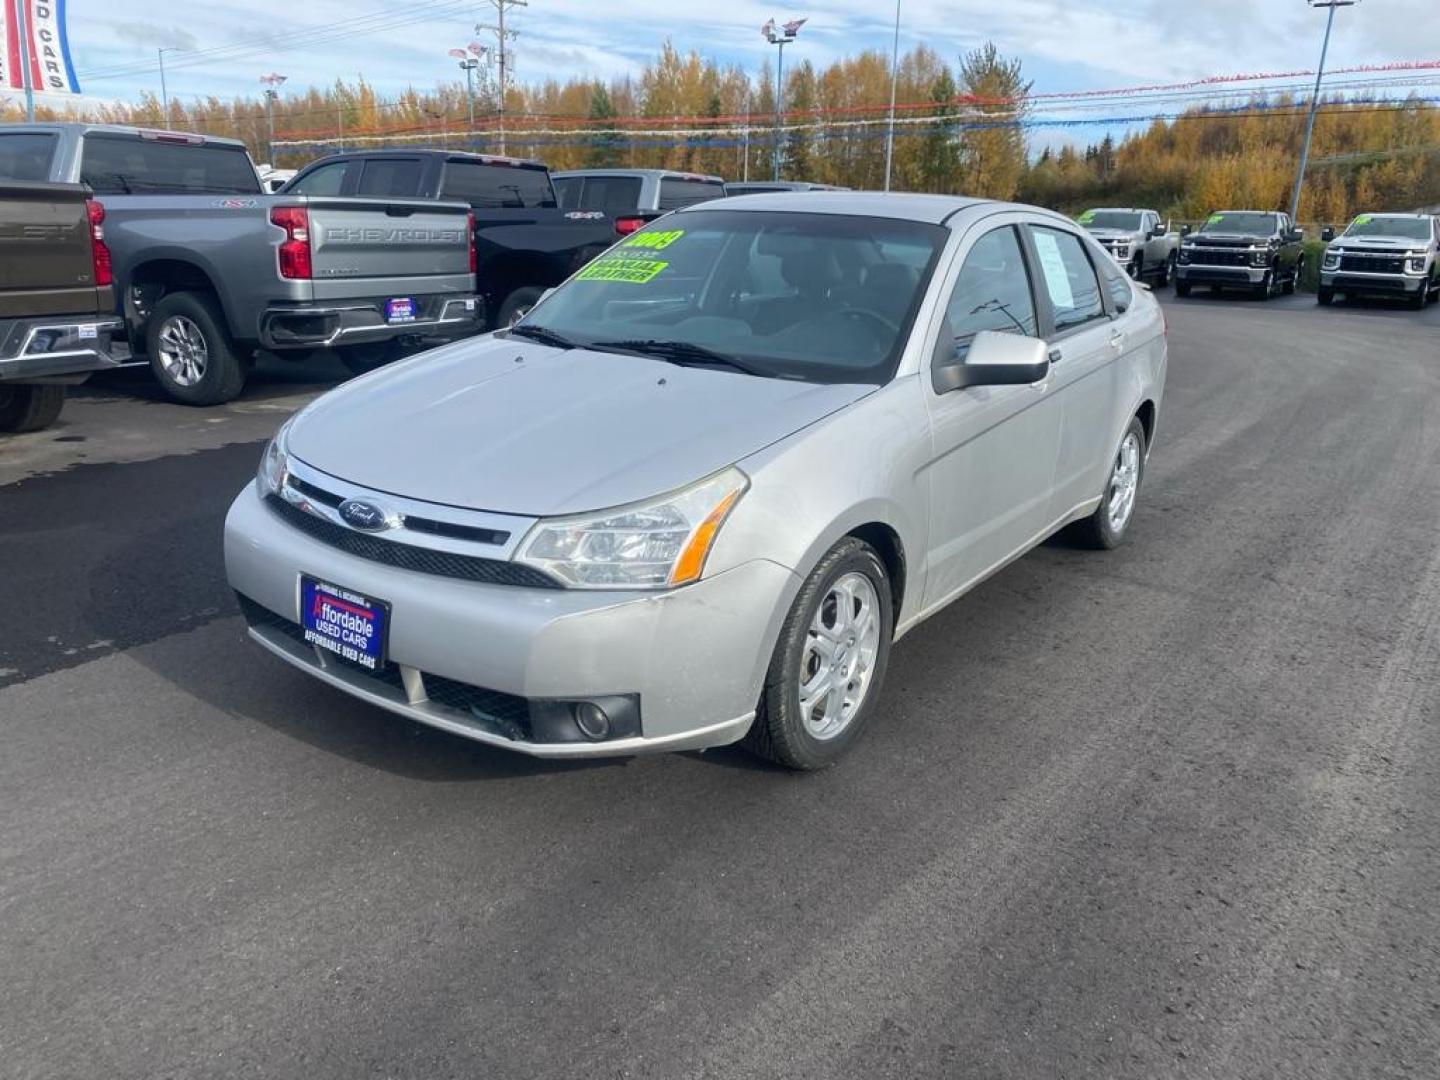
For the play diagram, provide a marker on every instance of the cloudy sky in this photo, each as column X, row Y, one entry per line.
column 1065, row 44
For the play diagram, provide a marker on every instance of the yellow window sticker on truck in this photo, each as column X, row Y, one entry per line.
column 655, row 241
column 1364, row 219
column 1086, row 218
column 619, row 268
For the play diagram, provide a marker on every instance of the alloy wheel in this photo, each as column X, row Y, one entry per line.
column 838, row 663
column 183, row 351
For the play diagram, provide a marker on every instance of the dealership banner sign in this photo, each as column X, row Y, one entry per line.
column 40, row 25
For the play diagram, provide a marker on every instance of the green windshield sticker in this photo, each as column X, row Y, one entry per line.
column 1364, row 219
column 655, row 241
column 1214, row 219
column 1087, row 217
column 619, row 268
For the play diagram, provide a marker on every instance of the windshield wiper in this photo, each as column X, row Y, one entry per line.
column 543, row 335
column 683, row 353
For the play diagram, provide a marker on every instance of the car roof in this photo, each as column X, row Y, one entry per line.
column 1393, row 214
column 929, row 209
column 430, row 151
column 83, row 128
column 664, row 174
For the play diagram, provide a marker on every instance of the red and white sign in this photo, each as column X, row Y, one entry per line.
column 40, row 24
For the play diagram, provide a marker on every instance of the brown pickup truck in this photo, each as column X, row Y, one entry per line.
column 57, row 306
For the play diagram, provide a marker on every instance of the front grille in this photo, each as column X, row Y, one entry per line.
column 1220, row 258
column 407, row 556
column 432, row 526
column 1372, row 264
column 494, row 711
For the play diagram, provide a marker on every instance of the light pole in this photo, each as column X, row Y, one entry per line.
column 1314, row 101
column 894, row 82
column 271, row 82
column 22, row 32
column 164, row 94
column 503, row 57
column 780, row 38
column 468, row 64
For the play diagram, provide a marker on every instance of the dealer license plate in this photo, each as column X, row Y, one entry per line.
column 401, row 309
column 343, row 622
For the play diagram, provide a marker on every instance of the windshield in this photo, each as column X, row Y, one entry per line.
column 1250, row 224
column 816, row 297
column 1408, row 228
column 1110, row 219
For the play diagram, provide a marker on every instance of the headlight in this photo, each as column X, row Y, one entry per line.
column 1416, row 266
column 1332, row 260
column 274, row 464
column 653, row 545
column 1121, row 251
column 1185, row 254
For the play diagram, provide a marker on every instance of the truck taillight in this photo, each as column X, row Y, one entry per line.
column 99, row 252
column 627, row 225
column 470, row 232
column 295, row 248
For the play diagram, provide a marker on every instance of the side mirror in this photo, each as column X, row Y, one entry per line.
column 545, row 295
column 1295, row 236
column 994, row 359
column 1157, row 232
column 1328, row 233
column 1185, row 230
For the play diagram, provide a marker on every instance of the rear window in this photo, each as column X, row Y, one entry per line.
column 128, row 165
column 390, row 178
column 324, row 180
column 677, row 193
column 614, row 195
column 25, row 155
column 497, row 186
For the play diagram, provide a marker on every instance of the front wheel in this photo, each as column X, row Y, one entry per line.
column 1107, row 526
column 1167, row 271
column 1296, row 276
column 517, row 305
column 190, row 350
column 1325, row 297
column 1421, row 299
column 30, row 408
column 1182, row 288
column 829, row 663
column 1269, row 285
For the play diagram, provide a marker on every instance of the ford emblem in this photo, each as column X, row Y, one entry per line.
column 359, row 514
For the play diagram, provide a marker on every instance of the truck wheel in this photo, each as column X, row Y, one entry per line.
column 829, row 663
column 1325, row 296
column 191, row 352
column 30, row 408
column 1107, row 526
column 1167, row 271
column 1182, row 288
column 516, row 305
column 361, row 359
column 1136, row 269
column 1293, row 281
column 1421, row 299
column 1269, row 286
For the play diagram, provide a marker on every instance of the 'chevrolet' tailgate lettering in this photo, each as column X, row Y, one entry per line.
column 370, row 234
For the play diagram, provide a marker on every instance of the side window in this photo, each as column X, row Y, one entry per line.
column 1068, row 277
column 25, row 155
column 390, row 178
column 1117, row 284
column 675, row 193
column 326, row 180
column 615, row 195
column 567, row 191
column 992, row 293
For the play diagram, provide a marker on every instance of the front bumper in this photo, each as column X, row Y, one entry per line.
column 694, row 657
column 1200, row 274
column 1348, row 281
column 56, row 348
column 353, row 322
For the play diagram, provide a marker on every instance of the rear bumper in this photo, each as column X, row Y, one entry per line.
column 56, row 347
column 1381, row 284
column 1199, row 274
column 308, row 326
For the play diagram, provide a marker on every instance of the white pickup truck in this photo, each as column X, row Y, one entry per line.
column 1137, row 239
column 1383, row 255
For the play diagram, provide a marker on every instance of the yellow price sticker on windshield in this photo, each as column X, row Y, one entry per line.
column 618, row 268
column 1087, row 217
column 655, row 241
column 1364, row 219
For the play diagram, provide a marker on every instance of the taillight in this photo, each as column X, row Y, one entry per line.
column 470, row 232
column 627, row 225
column 99, row 252
column 295, row 248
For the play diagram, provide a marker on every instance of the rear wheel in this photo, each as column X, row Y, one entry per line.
column 1107, row 526
column 30, row 408
column 829, row 663
column 517, row 305
column 190, row 350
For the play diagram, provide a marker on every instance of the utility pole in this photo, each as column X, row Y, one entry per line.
column 22, row 30
column 745, row 168
column 271, row 83
column 164, row 94
column 503, row 55
column 894, row 82
column 1314, row 102
column 780, row 37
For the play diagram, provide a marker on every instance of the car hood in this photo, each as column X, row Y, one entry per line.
column 514, row 427
column 1229, row 238
column 1404, row 243
column 1114, row 234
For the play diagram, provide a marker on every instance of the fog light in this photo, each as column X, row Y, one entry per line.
column 592, row 721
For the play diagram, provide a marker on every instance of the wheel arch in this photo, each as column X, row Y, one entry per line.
column 147, row 282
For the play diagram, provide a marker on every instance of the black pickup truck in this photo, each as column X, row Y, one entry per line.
column 524, row 242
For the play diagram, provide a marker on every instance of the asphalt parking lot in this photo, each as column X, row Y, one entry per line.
column 1171, row 811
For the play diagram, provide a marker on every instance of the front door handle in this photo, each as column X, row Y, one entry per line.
column 1056, row 356
column 1117, row 340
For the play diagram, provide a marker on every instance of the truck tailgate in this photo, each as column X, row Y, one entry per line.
column 384, row 239
column 45, row 262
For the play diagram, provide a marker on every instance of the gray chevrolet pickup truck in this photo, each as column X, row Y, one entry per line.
column 1383, row 255
column 208, row 270
column 56, row 304
column 1137, row 239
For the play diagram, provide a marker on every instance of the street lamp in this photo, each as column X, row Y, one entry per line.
column 780, row 37
column 272, row 84
column 468, row 64
column 1314, row 101
column 894, row 82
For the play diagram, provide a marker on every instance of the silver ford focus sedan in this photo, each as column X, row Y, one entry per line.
column 698, row 492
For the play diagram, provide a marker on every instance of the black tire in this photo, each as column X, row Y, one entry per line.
column 1097, row 531
column 1167, row 271
column 514, row 306
column 778, row 733
column 1267, row 288
column 366, row 357
column 1325, row 296
column 30, row 408
column 1293, row 281
column 1420, row 300
column 1136, row 269
column 223, row 369
column 1182, row 288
